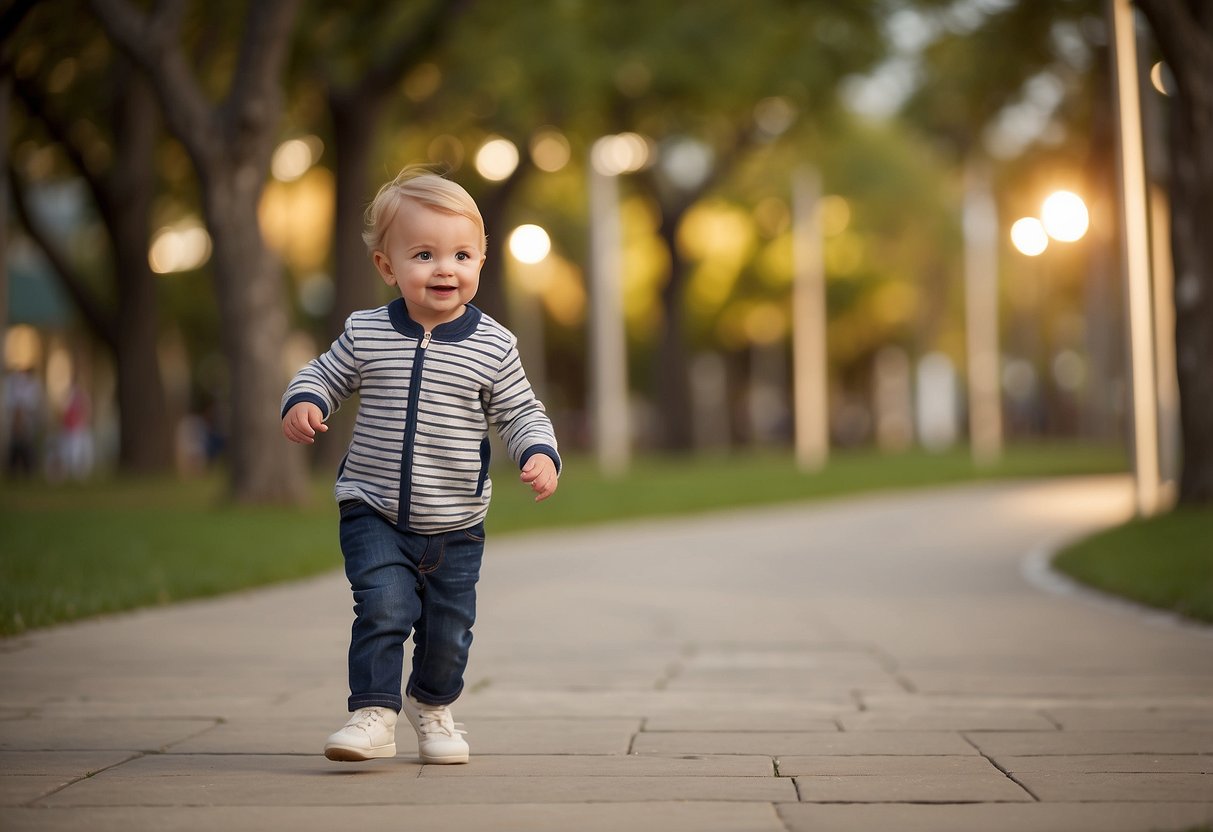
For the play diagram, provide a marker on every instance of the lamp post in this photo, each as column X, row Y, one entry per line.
column 810, row 373
column 980, row 223
column 1135, row 245
column 610, row 157
column 1063, row 218
column 529, row 245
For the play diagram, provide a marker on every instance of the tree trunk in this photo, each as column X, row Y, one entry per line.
column 253, row 322
column 145, row 430
column 675, row 431
column 1192, row 246
column 1184, row 31
column 355, row 285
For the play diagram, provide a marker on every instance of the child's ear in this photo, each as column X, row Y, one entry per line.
column 384, row 267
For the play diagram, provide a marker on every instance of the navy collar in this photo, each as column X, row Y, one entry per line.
column 455, row 330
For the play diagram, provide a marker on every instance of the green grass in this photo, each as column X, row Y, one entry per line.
column 1164, row 562
column 72, row 551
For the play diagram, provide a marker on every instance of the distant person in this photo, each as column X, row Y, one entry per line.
column 433, row 372
column 23, row 404
column 76, row 448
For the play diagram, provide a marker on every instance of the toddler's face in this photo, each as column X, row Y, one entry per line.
column 433, row 257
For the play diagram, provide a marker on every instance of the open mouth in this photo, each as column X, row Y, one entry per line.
column 444, row 291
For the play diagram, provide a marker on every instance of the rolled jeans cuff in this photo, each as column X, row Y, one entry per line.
column 375, row 700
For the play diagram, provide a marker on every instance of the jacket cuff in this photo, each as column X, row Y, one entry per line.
column 305, row 397
column 546, row 450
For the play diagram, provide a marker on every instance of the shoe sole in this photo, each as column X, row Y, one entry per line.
column 345, row 754
column 453, row 759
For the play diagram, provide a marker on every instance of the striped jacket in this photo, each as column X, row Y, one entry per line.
column 426, row 401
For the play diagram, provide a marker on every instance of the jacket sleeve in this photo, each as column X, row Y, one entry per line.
column 329, row 379
column 518, row 415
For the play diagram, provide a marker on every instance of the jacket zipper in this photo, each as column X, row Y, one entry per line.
column 410, row 436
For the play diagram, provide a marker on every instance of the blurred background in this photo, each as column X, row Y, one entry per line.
column 799, row 227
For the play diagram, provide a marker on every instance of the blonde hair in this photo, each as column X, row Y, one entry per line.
column 422, row 184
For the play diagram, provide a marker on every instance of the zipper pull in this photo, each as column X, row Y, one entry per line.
column 425, row 340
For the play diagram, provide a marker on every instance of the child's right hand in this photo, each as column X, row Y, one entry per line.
column 301, row 423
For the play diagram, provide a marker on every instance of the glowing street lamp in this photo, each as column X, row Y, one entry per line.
column 610, row 157
column 529, row 245
column 496, row 159
column 1029, row 237
column 1064, row 216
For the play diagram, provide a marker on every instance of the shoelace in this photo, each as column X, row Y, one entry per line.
column 437, row 721
column 365, row 717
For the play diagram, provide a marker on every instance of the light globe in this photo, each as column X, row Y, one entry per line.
column 1029, row 237
column 1065, row 216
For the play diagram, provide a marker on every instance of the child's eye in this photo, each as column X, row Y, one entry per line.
column 424, row 255
column 463, row 255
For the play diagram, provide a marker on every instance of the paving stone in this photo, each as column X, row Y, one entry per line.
column 729, row 720
column 635, row 765
column 221, row 780
column 20, row 789
column 992, row 700
column 1070, row 743
column 946, row 720
column 99, row 734
column 991, row 787
column 777, row 744
column 1109, row 763
column 499, row 702
column 866, row 764
column 1133, row 719
column 997, row 817
column 557, row 817
column 1152, row 787
column 60, row 763
column 557, row 678
column 1029, row 684
column 552, row 736
column 809, row 682
column 486, row 736
column 210, row 707
column 809, row 657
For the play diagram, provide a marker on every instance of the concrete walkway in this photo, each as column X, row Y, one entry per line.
column 877, row 663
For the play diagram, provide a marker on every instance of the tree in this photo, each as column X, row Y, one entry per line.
column 1184, row 31
column 359, row 60
column 679, row 73
column 229, row 143
column 113, row 162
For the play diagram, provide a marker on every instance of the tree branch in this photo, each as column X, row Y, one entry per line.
column 386, row 72
column 86, row 302
column 263, row 50
column 33, row 101
column 152, row 44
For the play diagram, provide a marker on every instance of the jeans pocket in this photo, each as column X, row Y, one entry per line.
column 349, row 508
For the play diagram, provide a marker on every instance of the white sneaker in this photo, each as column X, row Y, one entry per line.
column 439, row 738
column 370, row 733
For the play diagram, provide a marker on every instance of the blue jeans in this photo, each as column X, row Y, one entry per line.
column 407, row 582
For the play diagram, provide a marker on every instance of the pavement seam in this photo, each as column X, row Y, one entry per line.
column 31, row 804
column 635, row 736
column 1056, row 722
column 783, row 824
column 217, row 721
column 1005, row 772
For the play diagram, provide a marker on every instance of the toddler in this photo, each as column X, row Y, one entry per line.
column 432, row 373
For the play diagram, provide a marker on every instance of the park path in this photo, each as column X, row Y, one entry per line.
column 871, row 663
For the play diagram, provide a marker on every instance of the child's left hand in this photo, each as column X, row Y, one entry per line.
column 540, row 474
